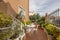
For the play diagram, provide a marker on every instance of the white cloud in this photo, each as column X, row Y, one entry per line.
column 35, row 4
column 43, row 6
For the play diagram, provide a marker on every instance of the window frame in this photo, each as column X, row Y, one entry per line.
column 23, row 14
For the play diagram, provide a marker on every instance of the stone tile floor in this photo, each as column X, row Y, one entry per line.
column 36, row 35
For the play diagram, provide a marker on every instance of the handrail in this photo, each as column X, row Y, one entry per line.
column 15, row 24
column 16, row 21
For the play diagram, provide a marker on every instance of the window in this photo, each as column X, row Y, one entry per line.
column 21, row 12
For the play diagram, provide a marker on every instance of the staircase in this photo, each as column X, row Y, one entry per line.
column 20, row 26
column 14, row 31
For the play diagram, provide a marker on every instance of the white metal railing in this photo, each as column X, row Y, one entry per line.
column 20, row 24
column 15, row 24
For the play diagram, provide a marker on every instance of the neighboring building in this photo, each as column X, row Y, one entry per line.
column 15, row 7
column 46, row 17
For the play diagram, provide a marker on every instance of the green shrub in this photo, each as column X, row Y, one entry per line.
column 28, row 22
column 5, row 20
column 5, row 35
column 51, row 29
column 55, row 32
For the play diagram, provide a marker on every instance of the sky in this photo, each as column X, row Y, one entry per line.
column 43, row 6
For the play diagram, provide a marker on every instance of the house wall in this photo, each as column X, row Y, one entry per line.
column 12, row 7
column 22, row 3
column 3, row 7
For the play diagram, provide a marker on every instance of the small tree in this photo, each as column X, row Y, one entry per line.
column 35, row 17
column 38, row 19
